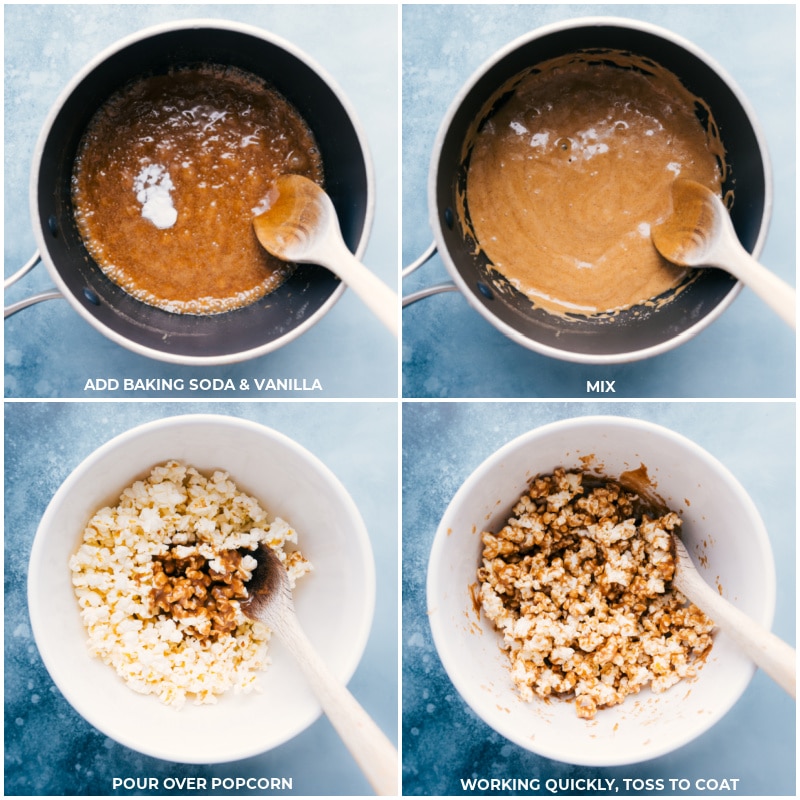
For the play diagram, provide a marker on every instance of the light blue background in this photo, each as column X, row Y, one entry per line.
column 49, row 748
column 449, row 350
column 443, row 740
column 50, row 350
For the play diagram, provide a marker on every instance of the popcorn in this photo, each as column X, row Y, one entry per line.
column 176, row 513
column 579, row 586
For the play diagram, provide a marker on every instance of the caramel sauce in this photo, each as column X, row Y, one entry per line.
column 569, row 167
column 168, row 176
column 191, row 587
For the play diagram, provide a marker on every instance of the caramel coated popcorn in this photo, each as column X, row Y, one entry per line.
column 578, row 583
column 191, row 587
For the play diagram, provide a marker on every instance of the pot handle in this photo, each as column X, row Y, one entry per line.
column 422, row 293
column 52, row 294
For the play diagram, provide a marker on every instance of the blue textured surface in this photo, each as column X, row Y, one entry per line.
column 443, row 740
column 50, row 350
column 449, row 350
column 49, row 748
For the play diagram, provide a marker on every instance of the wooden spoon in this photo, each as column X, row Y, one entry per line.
column 301, row 226
column 769, row 652
column 270, row 601
column 699, row 233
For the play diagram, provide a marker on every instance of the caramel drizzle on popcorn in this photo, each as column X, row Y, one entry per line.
column 195, row 587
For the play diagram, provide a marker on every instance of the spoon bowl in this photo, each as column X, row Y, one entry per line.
column 699, row 233
column 270, row 601
column 300, row 225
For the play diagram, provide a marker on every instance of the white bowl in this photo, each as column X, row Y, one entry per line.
column 720, row 522
column 335, row 603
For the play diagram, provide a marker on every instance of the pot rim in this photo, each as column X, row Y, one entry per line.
column 95, row 63
column 434, row 217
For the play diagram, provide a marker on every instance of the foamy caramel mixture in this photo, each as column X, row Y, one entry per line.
column 168, row 177
column 569, row 173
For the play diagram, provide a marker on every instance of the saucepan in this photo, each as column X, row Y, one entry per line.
column 182, row 338
column 639, row 332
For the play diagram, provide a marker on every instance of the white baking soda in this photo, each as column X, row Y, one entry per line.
column 153, row 186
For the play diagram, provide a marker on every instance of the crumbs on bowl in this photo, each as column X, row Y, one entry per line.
column 159, row 579
column 578, row 583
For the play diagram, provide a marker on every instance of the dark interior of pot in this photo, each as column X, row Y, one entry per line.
column 640, row 328
column 260, row 324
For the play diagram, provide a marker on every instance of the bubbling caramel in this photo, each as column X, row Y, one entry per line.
column 168, row 176
column 569, row 166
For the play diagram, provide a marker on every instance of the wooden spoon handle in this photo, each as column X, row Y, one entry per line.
column 773, row 655
column 776, row 293
column 369, row 746
column 378, row 297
